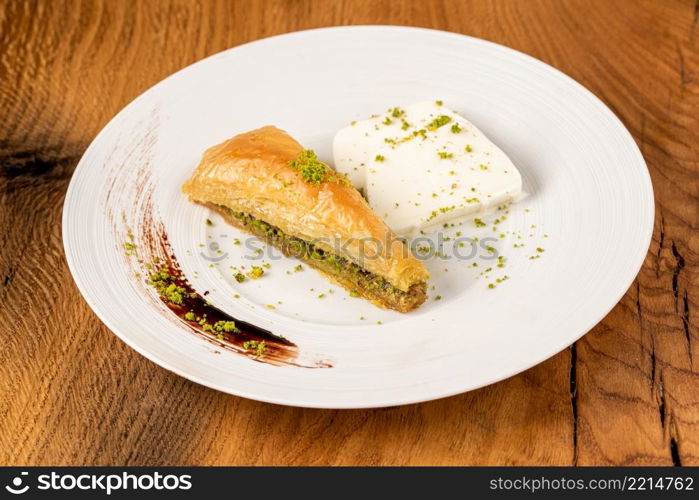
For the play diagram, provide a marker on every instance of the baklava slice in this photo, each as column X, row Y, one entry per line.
column 267, row 184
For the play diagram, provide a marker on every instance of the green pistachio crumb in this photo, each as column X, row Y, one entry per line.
column 130, row 248
column 225, row 326
column 440, row 121
column 164, row 283
column 256, row 273
column 314, row 171
column 258, row 347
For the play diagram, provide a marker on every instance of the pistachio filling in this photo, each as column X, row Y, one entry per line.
column 326, row 261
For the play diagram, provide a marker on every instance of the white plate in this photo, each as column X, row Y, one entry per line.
column 590, row 208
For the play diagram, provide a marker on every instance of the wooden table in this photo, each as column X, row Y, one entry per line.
column 72, row 393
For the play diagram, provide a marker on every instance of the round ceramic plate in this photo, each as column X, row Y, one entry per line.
column 569, row 250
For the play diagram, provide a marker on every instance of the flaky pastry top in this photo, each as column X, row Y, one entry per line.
column 252, row 173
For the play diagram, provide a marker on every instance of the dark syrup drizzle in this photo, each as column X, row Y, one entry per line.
column 278, row 351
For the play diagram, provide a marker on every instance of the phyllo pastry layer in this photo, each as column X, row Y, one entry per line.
column 264, row 182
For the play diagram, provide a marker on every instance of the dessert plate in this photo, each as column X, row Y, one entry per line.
column 522, row 288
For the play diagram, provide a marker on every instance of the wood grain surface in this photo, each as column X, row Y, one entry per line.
column 72, row 393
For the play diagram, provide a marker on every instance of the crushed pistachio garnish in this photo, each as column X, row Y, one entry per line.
column 438, row 103
column 225, row 326
column 440, row 121
column 380, row 158
column 130, row 248
column 164, row 283
column 256, row 273
column 479, row 222
column 444, row 155
column 456, row 128
column 239, row 277
column 258, row 347
column 314, row 171
column 441, row 210
column 209, row 223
